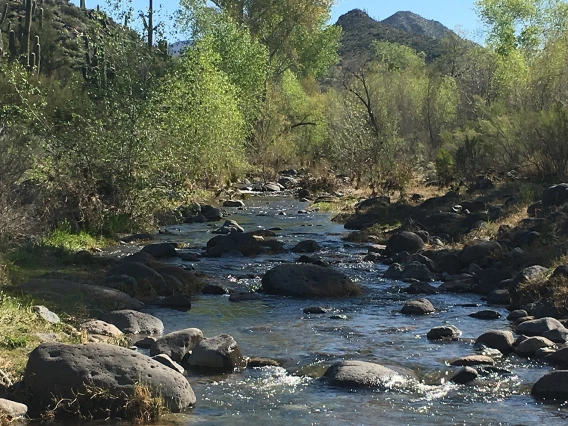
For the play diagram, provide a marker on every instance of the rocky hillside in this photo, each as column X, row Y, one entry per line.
column 360, row 30
column 413, row 23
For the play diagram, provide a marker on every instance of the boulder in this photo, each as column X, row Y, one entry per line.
column 124, row 283
column 304, row 193
column 515, row 315
column 313, row 260
column 308, row 246
column 214, row 289
column 308, row 281
column 471, row 360
column 486, row 315
column 318, row 310
column 464, row 376
column 216, row 354
column 139, row 257
column 210, row 213
column 527, row 275
column 556, row 195
column 148, row 280
column 233, row 203
column 420, row 288
column 248, row 244
column 62, row 370
column 168, row 362
column 538, row 327
column 405, row 241
column 558, row 335
column 45, row 314
column 178, row 302
column 190, row 283
column 12, row 410
column 418, row 307
column 412, row 271
column 100, row 328
column 95, row 296
column 361, row 374
column 480, row 252
column 145, row 343
column 503, row 341
column 161, row 250
column 177, row 344
column 229, row 227
column 499, row 297
column 529, row 346
column 558, row 358
column 553, row 385
column 446, row 332
column 133, row 322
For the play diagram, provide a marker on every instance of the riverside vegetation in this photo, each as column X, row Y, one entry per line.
column 103, row 133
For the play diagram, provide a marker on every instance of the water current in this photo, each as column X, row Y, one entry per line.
column 276, row 327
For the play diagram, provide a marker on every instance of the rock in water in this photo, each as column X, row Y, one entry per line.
column 308, row 246
column 418, row 307
column 59, row 369
column 538, row 327
column 219, row 353
column 357, row 374
column 160, row 250
column 501, row 340
column 446, row 332
column 464, row 376
column 554, row 385
column 177, row 344
column 308, row 281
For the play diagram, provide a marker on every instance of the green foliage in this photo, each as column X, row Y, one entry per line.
column 445, row 165
column 65, row 239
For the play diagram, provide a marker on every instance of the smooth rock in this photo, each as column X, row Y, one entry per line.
column 497, row 339
column 471, row 360
column 529, row 346
column 148, row 280
column 219, row 353
column 515, row 315
column 248, row 244
column 178, row 302
column 418, row 307
column 480, row 252
column 464, row 376
column 124, row 283
column 553, row 385
column 558, row 358
column 538, row 327
column 361, row 374
column 317, row 310
column 177, row 344
column 308, row 281
column 486, row 315
column 58, row 369
column 133, row 322
column 161, row 250
column 12, row 409
column 446, row 332
column 308, row 246
column 405, row 241
column 558, row 335
column 145, row 343
column 190, row 283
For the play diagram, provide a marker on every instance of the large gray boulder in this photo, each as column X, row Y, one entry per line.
column 178, row 344
column 308, row 246
column 405, row 241
column 161, row 250
column 361, row 374
column 556, row 195
column 497, row 339
column 527, row 275
column 62, row 370
column 150, row 282
column 308, row 281
column 464, row 376
column 248, row 244
column 133, row 322
column 12, row 410
column 217, row 354
column 554, row 385
column 93, row 295
column 410, row 271
column 444, row 332
column 529, row 346
column 480, row 252
column 538, row 327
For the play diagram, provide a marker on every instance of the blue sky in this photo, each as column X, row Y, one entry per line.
column 451, row 13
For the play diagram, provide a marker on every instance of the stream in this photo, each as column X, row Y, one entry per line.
column 276, row 327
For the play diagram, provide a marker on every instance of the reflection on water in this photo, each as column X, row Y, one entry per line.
column 374, row 331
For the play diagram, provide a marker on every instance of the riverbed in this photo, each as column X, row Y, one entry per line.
column 276, row 327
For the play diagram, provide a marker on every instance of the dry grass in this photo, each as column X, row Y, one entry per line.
column 95, row 402
column 554, row 289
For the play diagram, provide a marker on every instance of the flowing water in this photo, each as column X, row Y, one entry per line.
column 276, row 327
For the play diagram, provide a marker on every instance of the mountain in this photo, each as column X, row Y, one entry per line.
column 413, row 23
column 360, row 30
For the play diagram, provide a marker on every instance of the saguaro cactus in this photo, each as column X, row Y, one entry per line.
column 83, row 4
column 12, row 45
column 37, row 54
column 27, row 28
column 149, row 23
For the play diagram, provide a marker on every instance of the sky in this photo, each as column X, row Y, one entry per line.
column 454, row 14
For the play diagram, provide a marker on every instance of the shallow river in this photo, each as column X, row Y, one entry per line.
column 374, row 331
